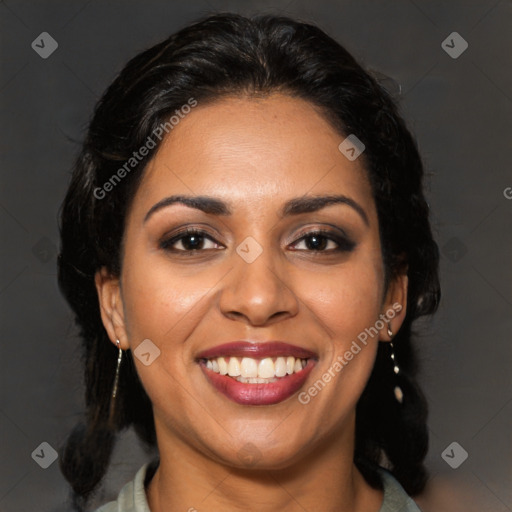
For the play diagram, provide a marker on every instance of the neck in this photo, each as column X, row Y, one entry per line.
column 323, row 479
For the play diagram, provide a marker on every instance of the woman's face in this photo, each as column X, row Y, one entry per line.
column 256, row 273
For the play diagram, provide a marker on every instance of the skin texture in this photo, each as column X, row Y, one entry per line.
column 254, row 154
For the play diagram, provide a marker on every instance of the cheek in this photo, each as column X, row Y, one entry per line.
column 158, row 302
column 164, row 307
column 346, row 301
column 348, row 311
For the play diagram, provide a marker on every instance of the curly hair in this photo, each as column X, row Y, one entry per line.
column 231, row 55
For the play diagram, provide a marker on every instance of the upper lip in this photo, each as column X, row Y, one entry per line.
column 256, row 350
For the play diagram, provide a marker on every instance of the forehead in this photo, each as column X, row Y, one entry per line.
column 250, row 150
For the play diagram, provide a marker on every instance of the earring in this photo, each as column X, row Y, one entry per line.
column 399, row 395
column 116, row 380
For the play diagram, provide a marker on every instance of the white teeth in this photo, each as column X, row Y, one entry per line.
column 223, row 366
column 280, row 367
column 255, row 380
column 290, row 363
column 266, row 368
column 233, row 367
column 256, row 371
column 249, row 367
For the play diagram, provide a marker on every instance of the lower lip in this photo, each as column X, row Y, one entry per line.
column 258, row 394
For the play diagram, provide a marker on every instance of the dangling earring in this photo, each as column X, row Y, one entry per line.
column 399, row 395
column 116, row 380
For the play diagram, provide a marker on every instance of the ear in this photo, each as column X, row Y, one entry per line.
column 394, row 307
column 111, row 306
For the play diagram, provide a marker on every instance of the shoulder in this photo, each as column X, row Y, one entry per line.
column 395, row 497
column 132, row 497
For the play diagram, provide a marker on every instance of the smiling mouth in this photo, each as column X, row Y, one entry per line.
column 250, row 381
column 257, row 373
column 250, row 370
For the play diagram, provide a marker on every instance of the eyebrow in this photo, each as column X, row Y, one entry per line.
column 296, row 206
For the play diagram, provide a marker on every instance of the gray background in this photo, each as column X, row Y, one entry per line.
column 459, row 109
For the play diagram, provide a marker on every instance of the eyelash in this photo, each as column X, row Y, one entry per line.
column 344, row 244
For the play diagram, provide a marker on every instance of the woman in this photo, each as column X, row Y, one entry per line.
column 246, row 244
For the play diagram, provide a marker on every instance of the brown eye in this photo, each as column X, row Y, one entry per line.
column 190, row 240
column 319, row 241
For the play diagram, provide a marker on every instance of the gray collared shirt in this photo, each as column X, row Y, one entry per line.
column 132, row 497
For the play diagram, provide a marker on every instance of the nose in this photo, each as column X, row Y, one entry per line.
column 258, row 293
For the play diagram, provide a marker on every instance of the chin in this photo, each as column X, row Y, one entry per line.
column 248, row 453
